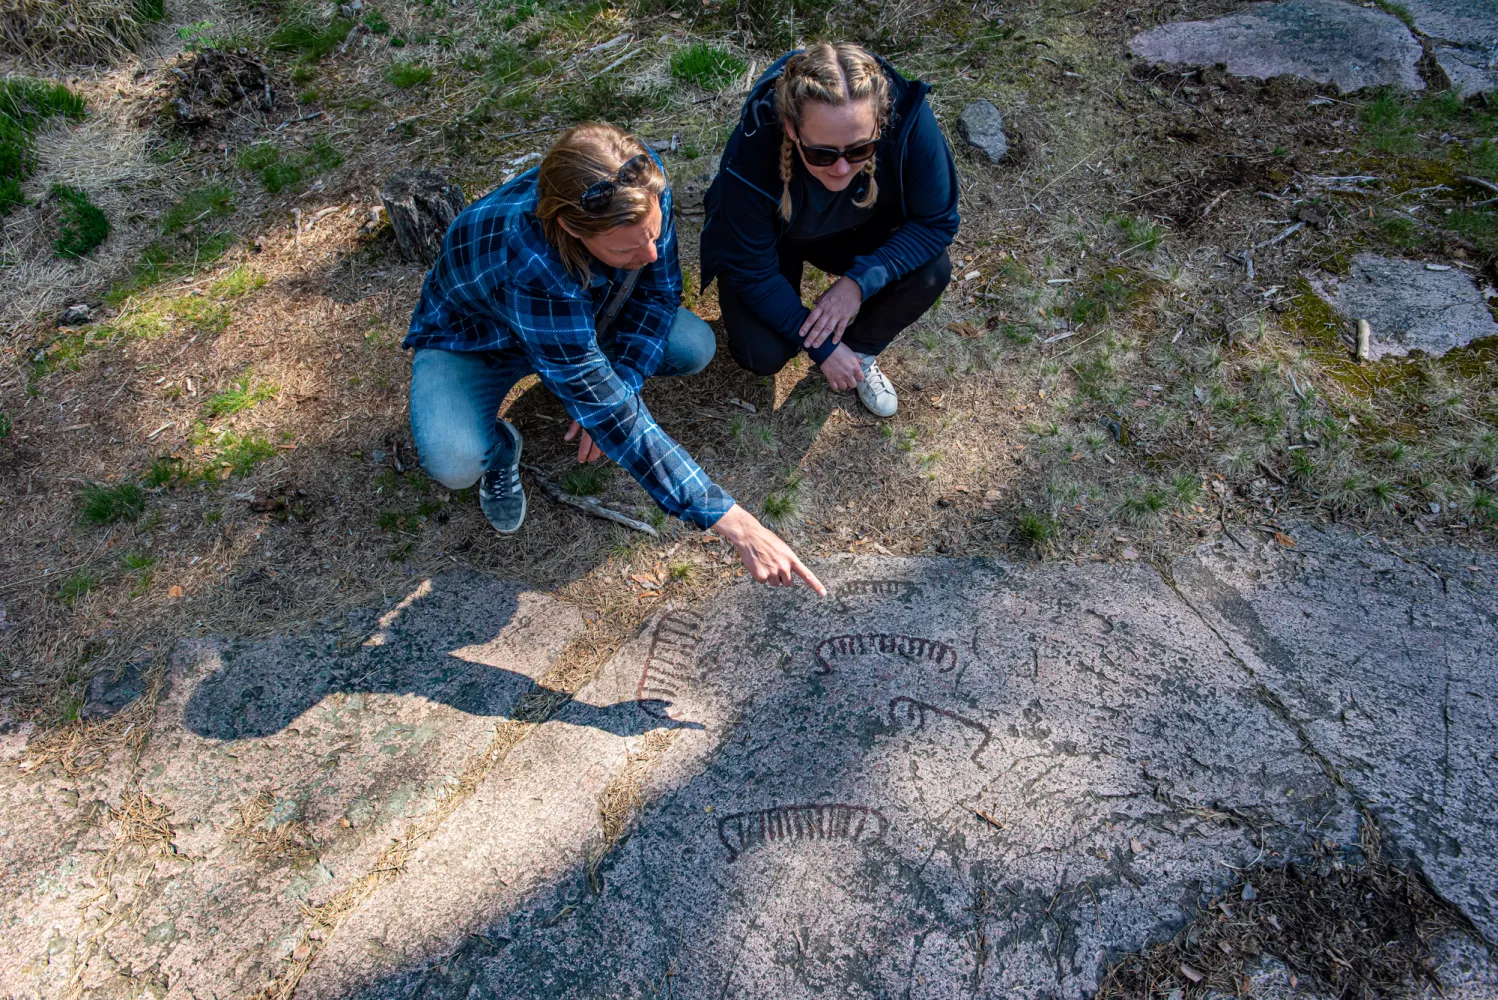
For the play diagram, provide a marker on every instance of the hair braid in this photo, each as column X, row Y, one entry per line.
column 872, row 194
column 835, row 75
column 785, row 177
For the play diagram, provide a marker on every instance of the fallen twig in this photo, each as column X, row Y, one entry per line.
column 586, row 504
column 1284, row 234
column 305, row 118
column 989, row 819
column 527, row 131
column 1485, row 185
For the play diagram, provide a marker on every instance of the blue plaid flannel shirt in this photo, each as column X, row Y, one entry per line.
column 499, row 285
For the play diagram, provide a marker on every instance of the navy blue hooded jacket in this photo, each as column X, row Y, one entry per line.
column 917, row 192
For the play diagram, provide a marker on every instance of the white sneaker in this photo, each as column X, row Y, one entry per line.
column 875, row 391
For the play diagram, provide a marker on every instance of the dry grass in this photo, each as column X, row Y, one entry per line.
column 271, row 835
column 74, row 31
column 143, row 824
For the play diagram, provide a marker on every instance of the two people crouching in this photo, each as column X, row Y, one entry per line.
column 570, row 272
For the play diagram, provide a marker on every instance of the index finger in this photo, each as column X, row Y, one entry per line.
column 807, row 575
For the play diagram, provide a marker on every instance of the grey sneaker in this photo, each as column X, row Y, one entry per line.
column 875, row 391
column 500, row 495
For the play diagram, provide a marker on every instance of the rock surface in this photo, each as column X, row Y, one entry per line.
column 982, row 127
column 950, row 779
column 75, row 315
column 1327, row 41
column 842, row 799
column 284, row 767
column 1464, row 37
column 1411, row 307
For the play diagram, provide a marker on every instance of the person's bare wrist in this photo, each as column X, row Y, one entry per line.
column 732, row 524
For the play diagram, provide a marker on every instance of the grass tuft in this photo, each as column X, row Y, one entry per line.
column 166, row 470
column 587, row 480
column 605, row 99
column 706, row 66
column 76, row 586
column 207, row 202
column 101, row 504
column 240, row 396
column 84, row 226
column 26, row 104
column 238, row 454
column 783, row 505
column 310, row 40
column 278, row 171
column 1143, row 505
column 1036, row 528
column 405, row 75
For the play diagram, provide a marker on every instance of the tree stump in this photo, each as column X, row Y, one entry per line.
column 421, row 205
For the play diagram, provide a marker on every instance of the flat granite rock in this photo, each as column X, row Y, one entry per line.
column 957, row 779
column 1464, row 37
column 1327, row 41
column 1411, row 307
column 1387, row 665
column 285, row 765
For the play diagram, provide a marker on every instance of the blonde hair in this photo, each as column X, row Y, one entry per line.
column 584, row 155
column 829, row 74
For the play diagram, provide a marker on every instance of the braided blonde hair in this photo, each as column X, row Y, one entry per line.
column 829, row 74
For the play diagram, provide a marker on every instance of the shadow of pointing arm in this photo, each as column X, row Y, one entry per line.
column 255, row 698
column 625, row 718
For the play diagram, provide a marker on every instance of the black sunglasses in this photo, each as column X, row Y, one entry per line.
column 826, row 156
column 598, row 196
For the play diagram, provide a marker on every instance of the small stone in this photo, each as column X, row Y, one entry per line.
column 1249, row 892
column 1130, row 553
column 982, row 127
column 75, row 315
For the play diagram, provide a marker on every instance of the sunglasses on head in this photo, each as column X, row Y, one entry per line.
column 600, row 194
column 826, row 156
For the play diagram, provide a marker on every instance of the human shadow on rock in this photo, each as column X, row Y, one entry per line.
column 259, row 689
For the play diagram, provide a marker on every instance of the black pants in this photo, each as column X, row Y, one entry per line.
column 762, row 350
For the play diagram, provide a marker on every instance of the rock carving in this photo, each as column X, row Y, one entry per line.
column 869, row 643
column 831, row 821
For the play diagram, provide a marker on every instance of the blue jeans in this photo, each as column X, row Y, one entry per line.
column 455, row 396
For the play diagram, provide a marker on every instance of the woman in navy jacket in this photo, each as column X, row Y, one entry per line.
column 836, row 160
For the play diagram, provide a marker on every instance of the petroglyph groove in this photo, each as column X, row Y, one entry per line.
column 869, row 643
column 827, row 821
column 670, row 662
column 915, row 711
column 877, row 588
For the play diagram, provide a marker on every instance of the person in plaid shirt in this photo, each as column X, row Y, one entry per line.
column 570, row 271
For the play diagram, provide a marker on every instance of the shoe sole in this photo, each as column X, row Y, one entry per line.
column 515, row 470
